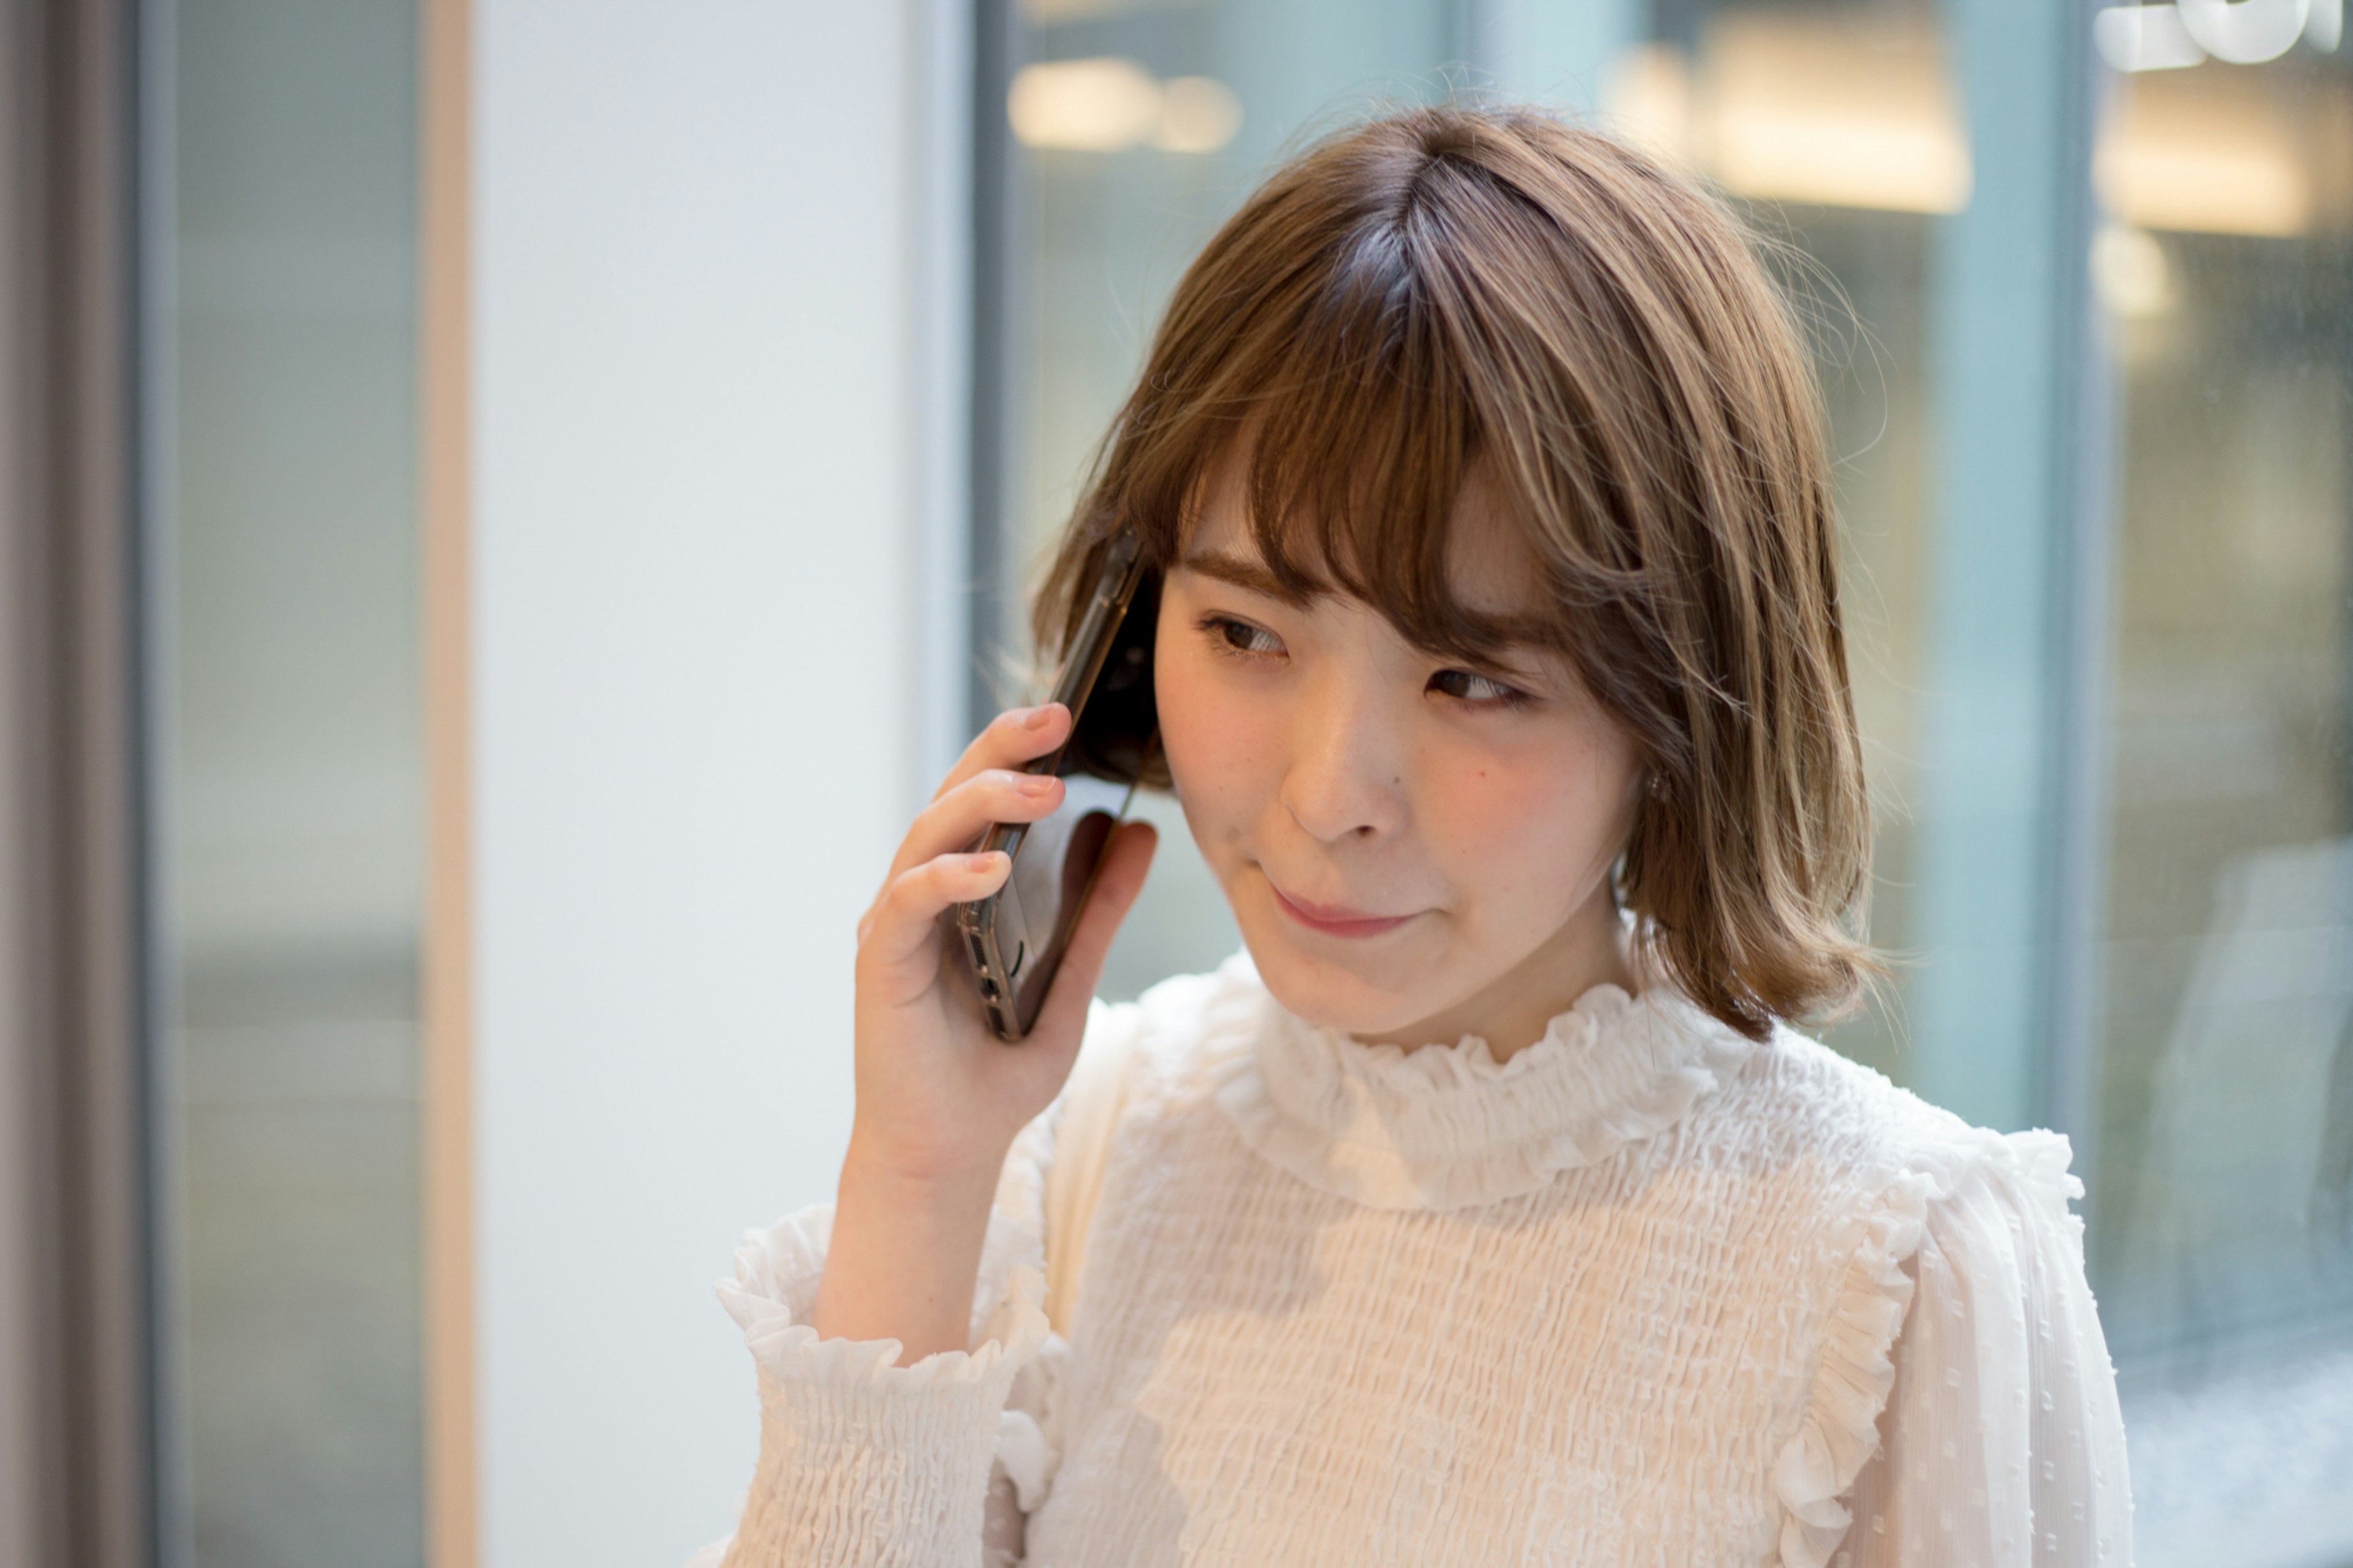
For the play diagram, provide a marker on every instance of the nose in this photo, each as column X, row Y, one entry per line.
column 1346, row 777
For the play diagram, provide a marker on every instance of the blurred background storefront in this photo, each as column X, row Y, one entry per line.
column 511, row 505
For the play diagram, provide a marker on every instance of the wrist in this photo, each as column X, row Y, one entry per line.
column 904, row 1253
column 930, row 1192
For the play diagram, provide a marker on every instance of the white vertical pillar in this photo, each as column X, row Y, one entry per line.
column 699, row 447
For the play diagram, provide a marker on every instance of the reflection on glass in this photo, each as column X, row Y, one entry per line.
column 2227, row 1036
column 2223, row 1234
column 289, row 781
column 1852, row 109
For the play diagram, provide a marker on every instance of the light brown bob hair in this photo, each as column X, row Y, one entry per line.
column 1449, row 290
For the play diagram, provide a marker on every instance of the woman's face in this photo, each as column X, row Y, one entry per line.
column 1415, row 849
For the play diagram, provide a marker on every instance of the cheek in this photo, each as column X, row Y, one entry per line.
column 1218, row 741
column 1496, row 811
column 1527, row 817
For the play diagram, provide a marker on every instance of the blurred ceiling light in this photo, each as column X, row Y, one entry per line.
column 1197, row 114
column 2130, row 271
column 1053, row 13
column 2144, row 38
column 2245, row 32
column 1806, row 112
column 2191, row 162
column 1792, row 109
column 1109, row 104
column 1792, row 155
column 1649, row 101
column 1098, row 105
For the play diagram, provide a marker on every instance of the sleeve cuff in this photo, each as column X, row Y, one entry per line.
column 864, row 1460
column 775, row 1288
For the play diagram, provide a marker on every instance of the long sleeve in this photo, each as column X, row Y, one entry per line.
column 861, row 1460
column 2002, row 1443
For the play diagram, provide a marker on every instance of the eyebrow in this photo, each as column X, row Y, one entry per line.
column 1520, row 637
column 1244, row 573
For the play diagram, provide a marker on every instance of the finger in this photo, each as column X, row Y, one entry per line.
column 1127, row 858
column 906, row 922
column 1014, row 737
column 954, row 820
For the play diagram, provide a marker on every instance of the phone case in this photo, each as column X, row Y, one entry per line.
column 991, row 926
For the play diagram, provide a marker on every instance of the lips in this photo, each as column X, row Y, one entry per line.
column 1336, row 920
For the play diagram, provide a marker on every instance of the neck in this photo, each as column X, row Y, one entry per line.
column 1512, row 1012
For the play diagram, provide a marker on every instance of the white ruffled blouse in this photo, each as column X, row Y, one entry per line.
column 1648, row 1292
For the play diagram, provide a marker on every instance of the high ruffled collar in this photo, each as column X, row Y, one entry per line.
column 1448, row 1127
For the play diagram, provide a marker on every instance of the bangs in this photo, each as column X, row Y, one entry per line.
column 1359, row 439
column 1361, row 391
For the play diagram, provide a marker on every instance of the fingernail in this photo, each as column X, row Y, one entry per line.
column 1036, row 784
column 1036, row 717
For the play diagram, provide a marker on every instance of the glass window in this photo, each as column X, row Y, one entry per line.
column 2080, row 287
column 287, row 783
column 2222, row 1233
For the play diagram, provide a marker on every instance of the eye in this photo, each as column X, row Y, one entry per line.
column 1476, row 691
column 1240, row 637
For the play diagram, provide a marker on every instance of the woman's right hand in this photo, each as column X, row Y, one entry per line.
column 940, row 1096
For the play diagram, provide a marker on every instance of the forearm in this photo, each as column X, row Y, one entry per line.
column 906, row 1255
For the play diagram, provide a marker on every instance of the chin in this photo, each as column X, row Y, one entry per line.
column 1333, row 994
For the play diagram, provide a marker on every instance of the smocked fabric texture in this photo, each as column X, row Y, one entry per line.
column 1646, row 1292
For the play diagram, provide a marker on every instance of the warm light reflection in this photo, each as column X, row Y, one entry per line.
column 1805, row 107
column 2181, row 155
column 1108, row 104
column 1197, row 114
column 1088, row 106
column 1806, row 110
column 1649, row 102
column 1059, row 12
column 2131, row 273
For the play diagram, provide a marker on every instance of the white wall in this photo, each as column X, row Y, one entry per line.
column 703, row 477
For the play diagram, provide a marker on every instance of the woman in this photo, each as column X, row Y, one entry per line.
column 1489, row 1210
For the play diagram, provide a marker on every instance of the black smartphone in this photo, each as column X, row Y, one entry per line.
column 1014, row 938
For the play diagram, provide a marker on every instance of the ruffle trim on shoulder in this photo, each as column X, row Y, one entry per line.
column 1837, row 1431
column 2042, row 1160
column 1450, row 1127
column 774, row 1289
